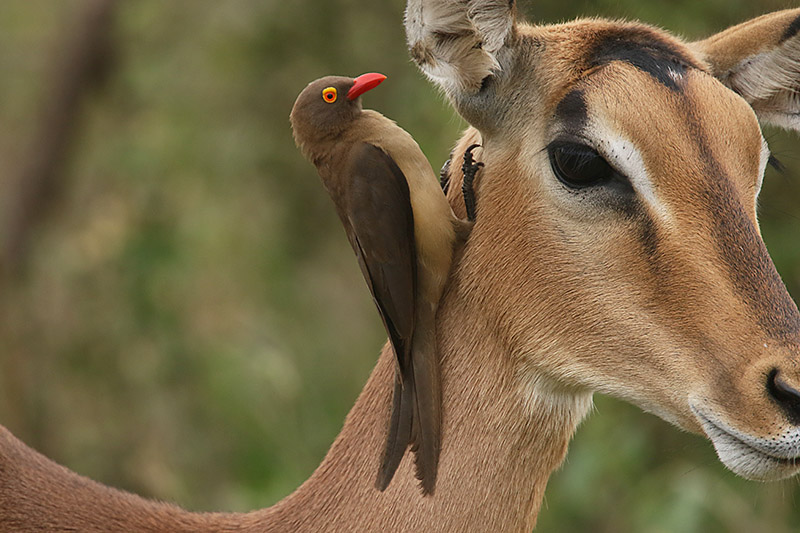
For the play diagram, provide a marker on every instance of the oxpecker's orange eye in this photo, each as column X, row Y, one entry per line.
column 329, row 94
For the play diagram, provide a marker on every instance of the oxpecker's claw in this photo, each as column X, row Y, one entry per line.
column 470, row 168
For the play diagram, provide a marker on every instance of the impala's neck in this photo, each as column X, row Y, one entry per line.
column 502, row 438
column 501, row 441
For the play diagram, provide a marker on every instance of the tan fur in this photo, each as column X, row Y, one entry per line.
column 552, row 297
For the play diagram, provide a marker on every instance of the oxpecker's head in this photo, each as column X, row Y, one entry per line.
column 327, row 107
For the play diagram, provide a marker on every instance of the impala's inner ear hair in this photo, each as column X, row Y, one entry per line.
column 444, row 174
column 774, row 162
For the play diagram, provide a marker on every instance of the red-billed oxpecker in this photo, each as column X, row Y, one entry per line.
column 403, row 232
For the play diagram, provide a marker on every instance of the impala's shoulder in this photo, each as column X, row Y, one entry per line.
column 13, row 452
column 7, row 442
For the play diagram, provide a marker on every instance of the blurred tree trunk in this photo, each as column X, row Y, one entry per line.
column 80, row 61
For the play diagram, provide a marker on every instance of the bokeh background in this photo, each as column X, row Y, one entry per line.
column 180, row 313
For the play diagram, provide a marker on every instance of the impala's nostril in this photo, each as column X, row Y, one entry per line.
column 785, row 395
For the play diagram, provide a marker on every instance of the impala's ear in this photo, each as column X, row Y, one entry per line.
column 760, row 60
column 463, row 46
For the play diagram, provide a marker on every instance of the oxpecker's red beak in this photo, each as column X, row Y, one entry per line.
column 364, row 83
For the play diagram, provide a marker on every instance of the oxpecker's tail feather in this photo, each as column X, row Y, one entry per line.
column 427, row 405
column 416, row 413
column 399, row 430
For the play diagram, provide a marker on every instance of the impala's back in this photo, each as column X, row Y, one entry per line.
column 622, row 170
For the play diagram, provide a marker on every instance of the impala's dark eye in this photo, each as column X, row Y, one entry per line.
column 577, row 166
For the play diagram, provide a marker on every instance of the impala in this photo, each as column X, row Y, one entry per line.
column 616, row 249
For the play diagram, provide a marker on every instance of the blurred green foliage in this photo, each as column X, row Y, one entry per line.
column 191, row 324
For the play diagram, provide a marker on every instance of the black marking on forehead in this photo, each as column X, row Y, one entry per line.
column 572, row 110
column 646, row 50
column 791, row 31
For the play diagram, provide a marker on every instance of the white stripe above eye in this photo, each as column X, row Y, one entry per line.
column 623, row 155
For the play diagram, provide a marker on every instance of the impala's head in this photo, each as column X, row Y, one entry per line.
column 622, row 169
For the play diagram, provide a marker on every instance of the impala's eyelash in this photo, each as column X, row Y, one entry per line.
column 776, row 163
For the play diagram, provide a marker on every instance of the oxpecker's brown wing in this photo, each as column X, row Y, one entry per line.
column 378, row 208
column 382, row 224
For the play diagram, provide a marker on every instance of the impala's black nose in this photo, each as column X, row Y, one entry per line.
column 785, row 395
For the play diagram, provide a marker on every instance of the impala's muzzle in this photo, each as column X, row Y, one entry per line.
column 758, row 438
column 757, row 458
